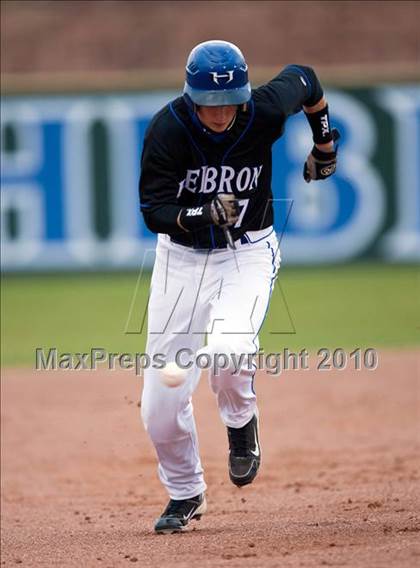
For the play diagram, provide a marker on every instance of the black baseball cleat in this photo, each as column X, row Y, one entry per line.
column 177, row 514
column 244, row 453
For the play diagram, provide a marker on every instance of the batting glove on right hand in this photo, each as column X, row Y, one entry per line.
column 224, row 210
column 321, row 165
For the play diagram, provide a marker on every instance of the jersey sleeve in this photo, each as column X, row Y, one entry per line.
column 158, row 185
column 293, row 87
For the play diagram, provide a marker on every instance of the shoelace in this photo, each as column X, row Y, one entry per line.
column 178, row 508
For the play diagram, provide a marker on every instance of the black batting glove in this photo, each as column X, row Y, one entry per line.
column 321, row 165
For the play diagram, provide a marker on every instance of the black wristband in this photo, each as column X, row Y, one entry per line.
column 191, row 218
column 320, row 125
column 323, row 156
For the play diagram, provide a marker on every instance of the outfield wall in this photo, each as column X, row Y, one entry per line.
column 70, row 168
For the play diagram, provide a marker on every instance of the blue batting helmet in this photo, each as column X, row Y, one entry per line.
column 217, row 74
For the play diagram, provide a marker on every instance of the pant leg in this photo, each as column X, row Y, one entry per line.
column 236, row 317
column 168, row 412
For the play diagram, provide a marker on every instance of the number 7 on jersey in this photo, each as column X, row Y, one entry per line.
column 243, row 204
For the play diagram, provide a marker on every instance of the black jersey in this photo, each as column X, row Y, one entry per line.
column 185, row 165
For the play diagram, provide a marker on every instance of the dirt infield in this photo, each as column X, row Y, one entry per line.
column 339, row 484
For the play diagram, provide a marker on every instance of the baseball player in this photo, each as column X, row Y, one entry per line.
column 205, row 188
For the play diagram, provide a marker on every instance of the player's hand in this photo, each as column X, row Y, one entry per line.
column 224, row 210
column 321, row 165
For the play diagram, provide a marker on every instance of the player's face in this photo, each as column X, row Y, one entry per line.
column 216, row 118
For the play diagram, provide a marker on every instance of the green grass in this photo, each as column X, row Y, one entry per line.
column 362, row 305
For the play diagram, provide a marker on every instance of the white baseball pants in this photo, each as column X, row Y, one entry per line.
column 223, row 294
